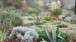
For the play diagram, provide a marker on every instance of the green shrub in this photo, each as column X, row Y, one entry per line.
column 30, row 18
column 48, row 18
column 30, row 24
column 34, row 11
column 17, row 21
column 42, row 34
column 10, row 19
column 56, row 12
column 24, row 14
column 65, row 36
column 10, row 8
column 2, row 36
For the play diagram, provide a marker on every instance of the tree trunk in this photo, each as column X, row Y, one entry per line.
column 75, row 6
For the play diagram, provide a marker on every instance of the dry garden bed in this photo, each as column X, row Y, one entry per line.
column 31, row 27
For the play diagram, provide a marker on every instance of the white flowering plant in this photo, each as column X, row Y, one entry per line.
column 55, row 5
column 55, row 8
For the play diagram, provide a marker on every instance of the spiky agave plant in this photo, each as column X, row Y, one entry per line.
column 55, row 35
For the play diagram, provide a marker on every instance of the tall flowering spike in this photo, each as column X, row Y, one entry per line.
column 58, row 4
column 55, row 5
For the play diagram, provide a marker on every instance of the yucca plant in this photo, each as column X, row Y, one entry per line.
column 56, row 35
column 56, row 12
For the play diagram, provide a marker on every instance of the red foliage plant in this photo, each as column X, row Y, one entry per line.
column 12, row 40
column 64, row 26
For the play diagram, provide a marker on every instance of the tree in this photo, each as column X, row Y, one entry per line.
column 75, row 6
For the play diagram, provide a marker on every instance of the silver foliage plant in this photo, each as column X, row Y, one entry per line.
column 29, row 34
